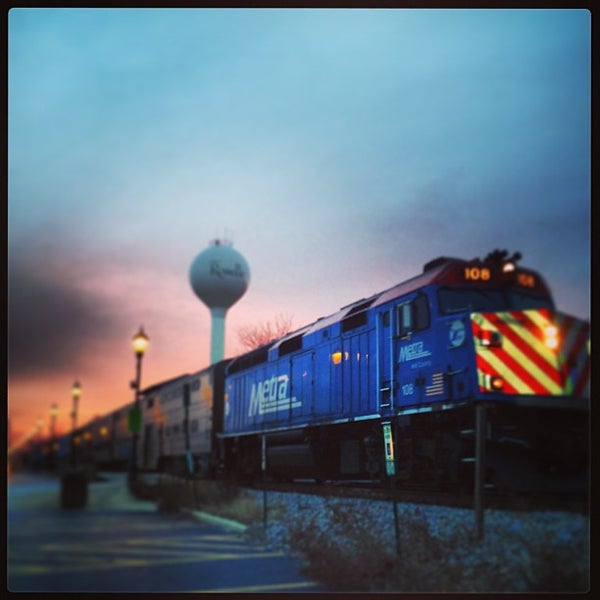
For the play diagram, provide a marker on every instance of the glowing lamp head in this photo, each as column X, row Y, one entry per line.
column 140, row 342
column 551, row 337
column 494, row 383
column 336, row 357
column 497, row 383
column 54, row 411
column 76, row 390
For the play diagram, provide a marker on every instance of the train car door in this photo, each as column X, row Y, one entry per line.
column 327, row 379
column 355, row 372
column 385, row 345
column 419, row 378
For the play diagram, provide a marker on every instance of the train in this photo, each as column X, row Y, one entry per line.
column 394, row 376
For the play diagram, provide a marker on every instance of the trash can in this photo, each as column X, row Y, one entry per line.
column 73, row 489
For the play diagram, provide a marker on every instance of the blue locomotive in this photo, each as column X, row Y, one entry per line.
column 417, row 358
column 405, row 366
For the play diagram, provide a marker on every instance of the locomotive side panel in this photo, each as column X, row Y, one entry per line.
column 301, row 388
column 433, row 355
column 327, row 378
column 357, row 392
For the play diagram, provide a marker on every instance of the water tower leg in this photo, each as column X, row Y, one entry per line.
column 217, row 340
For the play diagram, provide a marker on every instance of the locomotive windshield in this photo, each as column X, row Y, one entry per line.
column 454, row 300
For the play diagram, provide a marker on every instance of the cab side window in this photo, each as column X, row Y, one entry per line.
column 412, row 316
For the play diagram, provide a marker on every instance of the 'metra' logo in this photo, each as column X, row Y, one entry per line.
column 271, row 395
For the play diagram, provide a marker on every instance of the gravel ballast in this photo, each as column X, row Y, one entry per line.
column 519, row 552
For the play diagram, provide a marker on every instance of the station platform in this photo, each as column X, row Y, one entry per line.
column 119, row 543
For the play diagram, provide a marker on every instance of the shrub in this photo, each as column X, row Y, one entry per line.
column 220, row 498
column 352, row 555
column 554, row 566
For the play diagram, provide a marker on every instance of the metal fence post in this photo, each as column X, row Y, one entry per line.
column 479, row 468
column 263, row 469
column 390, row 467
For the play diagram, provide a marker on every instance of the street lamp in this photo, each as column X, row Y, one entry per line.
column 53, row 416
column 75, row 394
column 140, row 344
column 73, row 483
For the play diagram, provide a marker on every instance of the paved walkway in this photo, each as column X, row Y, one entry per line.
column 118, row 543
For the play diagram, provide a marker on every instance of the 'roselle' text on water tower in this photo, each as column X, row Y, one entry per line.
column 219, row 276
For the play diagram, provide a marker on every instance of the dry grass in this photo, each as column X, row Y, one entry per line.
column 349, row 556
column 219, row 498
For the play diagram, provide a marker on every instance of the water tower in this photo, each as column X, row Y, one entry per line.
column 219, row 276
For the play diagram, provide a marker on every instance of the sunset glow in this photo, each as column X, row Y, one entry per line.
column 339, row 150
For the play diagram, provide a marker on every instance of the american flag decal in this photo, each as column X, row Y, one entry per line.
column 437, row 385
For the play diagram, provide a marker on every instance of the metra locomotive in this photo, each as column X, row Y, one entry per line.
column 416, row 358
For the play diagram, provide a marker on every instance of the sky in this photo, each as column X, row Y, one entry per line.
column 338, row 149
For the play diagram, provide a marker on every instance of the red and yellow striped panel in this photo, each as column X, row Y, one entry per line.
column 535, row 352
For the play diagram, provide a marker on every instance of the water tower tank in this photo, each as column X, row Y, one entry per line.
column 219, row 276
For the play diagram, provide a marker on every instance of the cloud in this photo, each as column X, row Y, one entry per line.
column 51, row 320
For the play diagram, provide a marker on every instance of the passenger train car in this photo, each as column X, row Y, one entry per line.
column 408, row 364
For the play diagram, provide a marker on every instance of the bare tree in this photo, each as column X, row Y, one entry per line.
column 253, row 336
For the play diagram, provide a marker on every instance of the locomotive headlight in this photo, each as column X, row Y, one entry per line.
column 551, row 337
column 494, row 383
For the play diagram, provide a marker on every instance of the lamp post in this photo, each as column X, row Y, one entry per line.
column 73, row 482
column 75, row 394
column 140, row 342
column 53, row 416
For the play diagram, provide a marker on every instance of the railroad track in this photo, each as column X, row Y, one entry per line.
column 423, row 495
